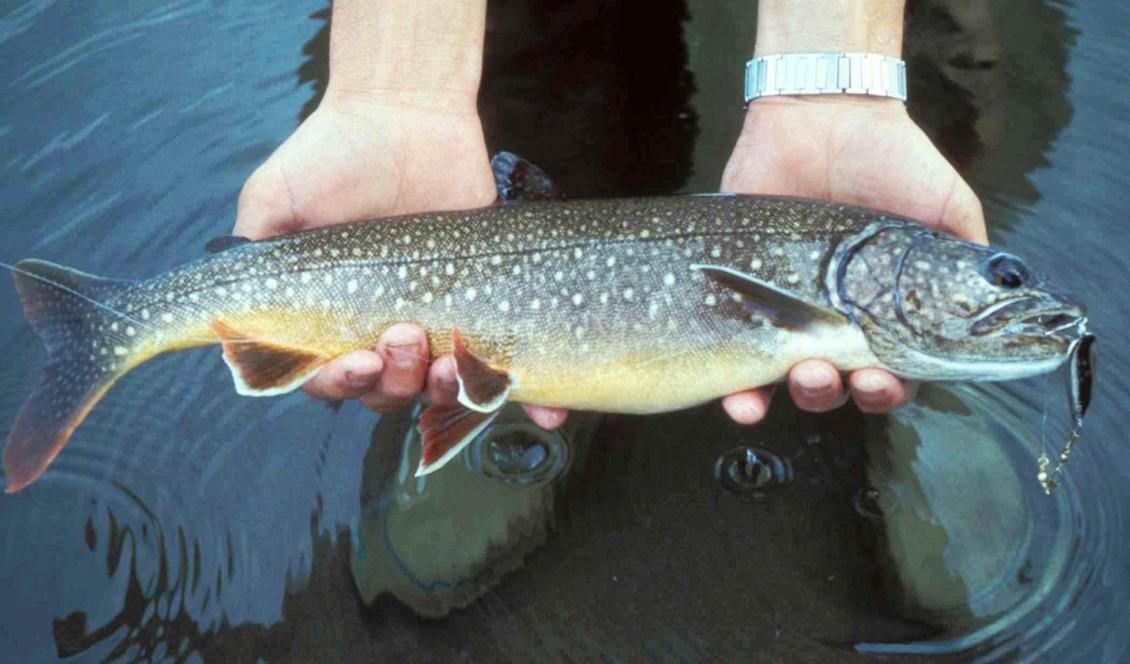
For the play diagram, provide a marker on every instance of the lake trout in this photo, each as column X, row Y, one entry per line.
column 627, row 306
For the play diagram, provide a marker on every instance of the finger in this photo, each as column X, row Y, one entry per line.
column 749, row 407
column 962, row 214
column 346, row 377
column 265, row 204
column 878, row 391
column 404, row 349
column 442, row 387
column 815, row 386
column 544, row 416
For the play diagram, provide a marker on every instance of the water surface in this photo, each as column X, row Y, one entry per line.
column 185, row 523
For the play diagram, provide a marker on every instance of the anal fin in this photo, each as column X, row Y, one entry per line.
column 263, row 367
column 445, row 430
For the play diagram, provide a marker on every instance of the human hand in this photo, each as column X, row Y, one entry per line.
column 862, row 151
column 364, row 157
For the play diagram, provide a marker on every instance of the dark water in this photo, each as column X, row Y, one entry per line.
column 184, row 523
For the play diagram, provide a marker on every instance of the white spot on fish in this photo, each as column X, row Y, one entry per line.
column 305, row 278
column 130, row 331
column 579, row 332
column 471, row 293
column 755, row 264
column 351, row 286
column 428, row 297
column 449, row 269
column 577, row 299
column 711, row 300
column 629, row 293
column 577, row 253
column 402, row 272
column 168, row 318
column 814, row 255
column 289, row 292
column 604, row 298
column 327, row 278
column 114, row 326
column 669, row 279
column 495, row 259
column 558, row 276
column 120, row 350
column 535, row 304
column 271, row 282
column 504, row 306
column 793, row 278
column 652, row 310
column 517, row 270
column 611, row 261
column 645, row 234
column 145, row 314
column 715, row 251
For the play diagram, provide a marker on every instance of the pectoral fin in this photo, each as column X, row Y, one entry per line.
column 781, row 306
column 445, row 431
column 265, row 368
column 482, row 387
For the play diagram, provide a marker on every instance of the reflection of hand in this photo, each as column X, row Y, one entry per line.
column 363, row 158
column 863, row 151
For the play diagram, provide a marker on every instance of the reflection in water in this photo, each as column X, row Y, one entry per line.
column 973, row 545
column 440, row 541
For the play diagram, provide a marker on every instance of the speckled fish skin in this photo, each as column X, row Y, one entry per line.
column 597, row 305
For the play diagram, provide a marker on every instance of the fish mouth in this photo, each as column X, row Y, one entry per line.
column 1030, row 315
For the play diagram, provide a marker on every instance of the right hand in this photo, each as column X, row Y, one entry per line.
column 361, row 157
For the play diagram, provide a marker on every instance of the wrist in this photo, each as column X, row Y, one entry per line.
column 818, row 26
column 418, row 53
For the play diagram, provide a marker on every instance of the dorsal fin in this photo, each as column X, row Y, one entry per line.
column 519, row 180
column 225, row 242
column 778, row 304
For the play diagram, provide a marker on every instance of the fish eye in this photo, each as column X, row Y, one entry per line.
column 1006, row 271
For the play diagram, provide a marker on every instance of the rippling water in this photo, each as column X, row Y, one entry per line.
column 185, row 523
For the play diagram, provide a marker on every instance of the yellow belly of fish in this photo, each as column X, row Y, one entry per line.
column 667, row 381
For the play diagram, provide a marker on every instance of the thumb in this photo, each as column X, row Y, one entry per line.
column 266, row 204
column 962, row 214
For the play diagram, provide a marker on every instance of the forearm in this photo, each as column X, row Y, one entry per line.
column 417, row 51
column 819, row 26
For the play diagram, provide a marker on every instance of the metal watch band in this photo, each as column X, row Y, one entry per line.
column 825, row 73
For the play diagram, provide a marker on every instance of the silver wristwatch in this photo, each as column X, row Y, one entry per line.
column 825, row 73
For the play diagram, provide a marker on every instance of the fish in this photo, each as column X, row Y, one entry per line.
column 632, row 305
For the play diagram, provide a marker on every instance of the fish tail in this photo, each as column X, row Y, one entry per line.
column 89, row 346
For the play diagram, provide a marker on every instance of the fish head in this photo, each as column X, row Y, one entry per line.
column 937, row 308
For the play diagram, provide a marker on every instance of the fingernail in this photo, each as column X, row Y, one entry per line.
column 404, row 356
column 360, row 379
column 816, row 391
column 871, row 384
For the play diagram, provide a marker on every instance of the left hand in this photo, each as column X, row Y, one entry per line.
column 857, row 150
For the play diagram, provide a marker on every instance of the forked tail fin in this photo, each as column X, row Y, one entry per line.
column 89, row 346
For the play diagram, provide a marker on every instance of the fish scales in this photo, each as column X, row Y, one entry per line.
column 627, row 305
column 576, row 299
